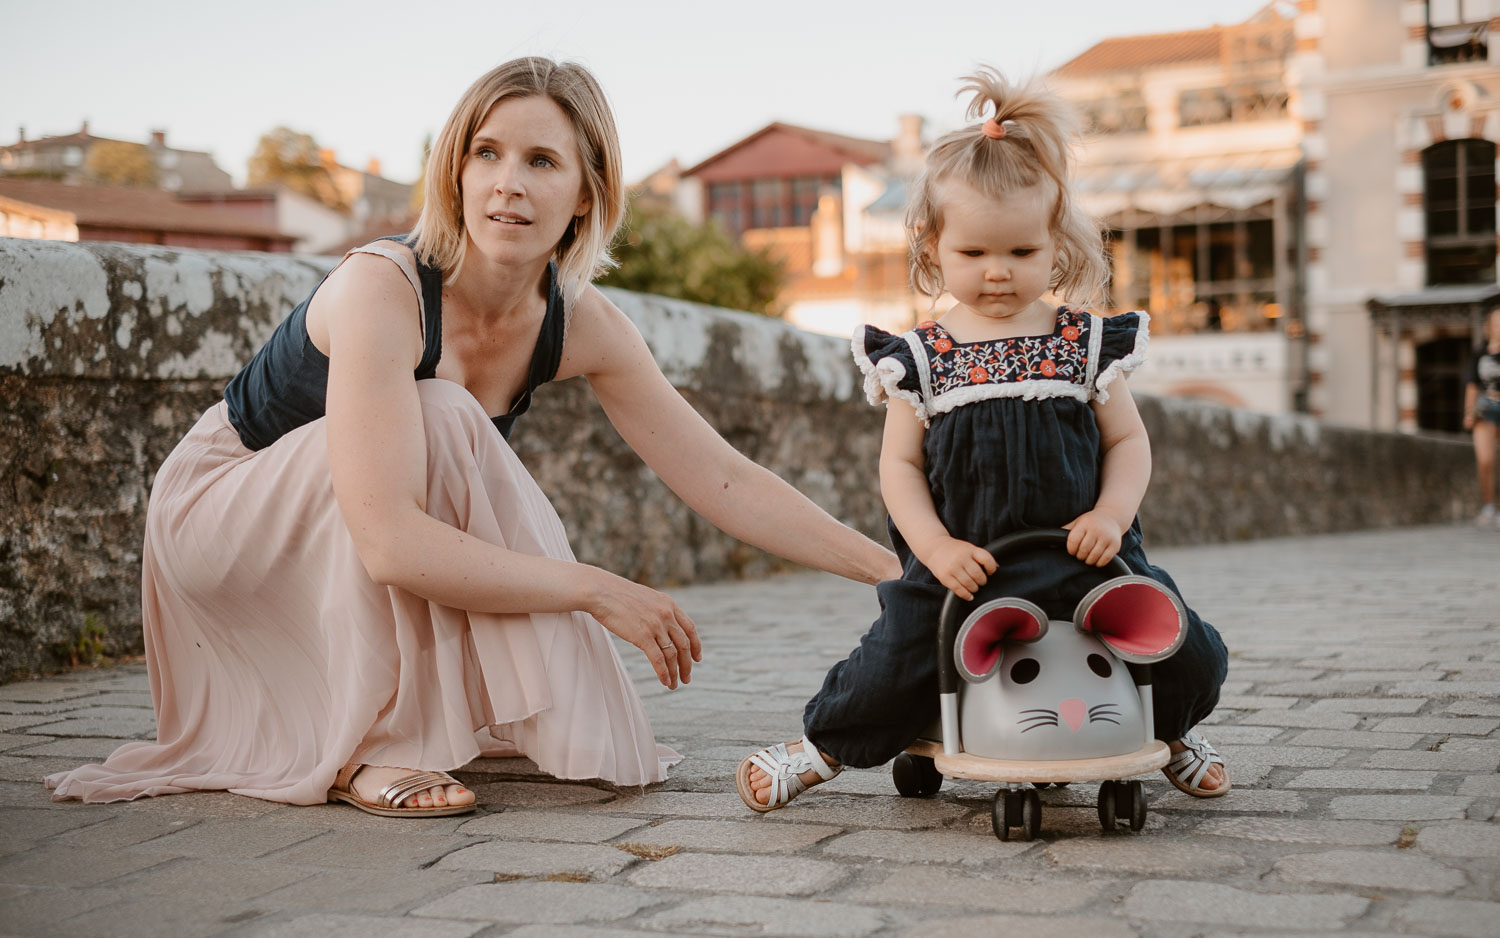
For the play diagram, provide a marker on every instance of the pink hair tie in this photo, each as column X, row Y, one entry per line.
column 996, row 130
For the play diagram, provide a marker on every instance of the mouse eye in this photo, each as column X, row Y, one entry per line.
column 1100, row 665
column 1025, row 671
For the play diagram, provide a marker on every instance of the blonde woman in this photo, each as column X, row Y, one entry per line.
column 351, row 583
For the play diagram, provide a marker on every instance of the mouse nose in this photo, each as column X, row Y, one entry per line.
column 1073, row 710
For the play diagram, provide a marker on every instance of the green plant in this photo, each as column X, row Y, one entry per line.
column 86, row 650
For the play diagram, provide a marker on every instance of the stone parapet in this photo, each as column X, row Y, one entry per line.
column 108, row 353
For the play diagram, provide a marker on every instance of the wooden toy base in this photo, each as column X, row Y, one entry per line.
column 1148, row 758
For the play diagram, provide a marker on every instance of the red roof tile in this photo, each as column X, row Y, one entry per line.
column 1126, row 53
column 137, row 209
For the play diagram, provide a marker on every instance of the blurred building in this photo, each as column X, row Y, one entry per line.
column 68, row 159
column 43, row 208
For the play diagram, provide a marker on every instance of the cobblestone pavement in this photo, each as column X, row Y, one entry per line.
column 1361, row 723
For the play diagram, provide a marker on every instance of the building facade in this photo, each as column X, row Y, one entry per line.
column 67, row 159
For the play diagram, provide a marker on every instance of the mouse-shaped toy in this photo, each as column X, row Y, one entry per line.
column 1047, row 690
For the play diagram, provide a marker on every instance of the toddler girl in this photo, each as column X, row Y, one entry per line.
column 1003, row 414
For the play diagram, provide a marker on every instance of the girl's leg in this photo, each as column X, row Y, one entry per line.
column 1484, row 459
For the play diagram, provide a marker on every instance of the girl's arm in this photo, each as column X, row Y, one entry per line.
column 1094, row 536
column 377, row 456
column 743, row 499
column 1471, row 405
column 960, row 566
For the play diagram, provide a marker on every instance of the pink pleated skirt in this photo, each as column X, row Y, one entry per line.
column 275, row 659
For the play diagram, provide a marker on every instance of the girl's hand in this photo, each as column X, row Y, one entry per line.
column 1094, row 537
column 960, row 566
column 652, row 622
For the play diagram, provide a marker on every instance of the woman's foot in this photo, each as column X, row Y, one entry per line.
column 772, row 777
column 1196, row 767
column 369, row 782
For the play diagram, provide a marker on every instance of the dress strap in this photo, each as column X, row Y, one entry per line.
column 408, row 267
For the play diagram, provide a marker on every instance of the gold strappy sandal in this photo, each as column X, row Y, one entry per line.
column 388, row 803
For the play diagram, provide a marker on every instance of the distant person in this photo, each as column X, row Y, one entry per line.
column 1004, row 414
column 1482, row 415
column 351, row 583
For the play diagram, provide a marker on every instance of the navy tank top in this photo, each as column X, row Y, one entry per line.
column 285, row 385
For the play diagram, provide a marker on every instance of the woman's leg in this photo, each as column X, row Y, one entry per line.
column 1484, row 459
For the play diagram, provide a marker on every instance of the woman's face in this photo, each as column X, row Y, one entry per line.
column 522, row 180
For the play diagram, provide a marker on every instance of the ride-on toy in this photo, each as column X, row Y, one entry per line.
column 1044, row 703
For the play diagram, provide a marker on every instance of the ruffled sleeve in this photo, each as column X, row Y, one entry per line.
column 889, row 366
column 1122, row 349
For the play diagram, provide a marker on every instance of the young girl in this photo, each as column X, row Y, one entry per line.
column 1482, row 415
column 1004, row 414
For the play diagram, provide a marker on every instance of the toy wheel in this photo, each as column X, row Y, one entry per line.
column 1136, row 795
column 999, row 810
column 1107, row 805
column 931, row 778
column 915, row 776
column 1040, row 785
column 1031, row 815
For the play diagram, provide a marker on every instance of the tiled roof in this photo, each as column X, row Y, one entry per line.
column 137, row 209
column 859, row 149
column 1127, row 53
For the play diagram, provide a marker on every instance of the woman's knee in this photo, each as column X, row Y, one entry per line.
column 450, row 415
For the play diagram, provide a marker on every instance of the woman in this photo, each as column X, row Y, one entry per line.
column 351, row 584
column 1482, row 415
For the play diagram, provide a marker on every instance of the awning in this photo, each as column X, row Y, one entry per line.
column 1168, row 187
column 1454, row 304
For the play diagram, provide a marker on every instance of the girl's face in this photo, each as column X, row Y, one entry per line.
column 995, row 254
column 522, row 180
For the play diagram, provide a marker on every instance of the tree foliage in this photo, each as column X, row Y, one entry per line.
column 661, row 252
column 120, row 163
column 288, row 158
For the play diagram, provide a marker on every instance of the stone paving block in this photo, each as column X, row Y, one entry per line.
column 1254, row 702
column 368, row 890
column 1306, row 719
column 551, row 825
column 152, row 918
column 1459, row 761
column 732, row 836
column 679, row 804
column 533, row 903
column 1467, row 726
column 581, row 931
column 1369, row 704
column 123, row 830
column 9, row 741
column 82, row 747
column 1029, row 926
column 1141, row 856
column 212, row 804
column 1238, row 801
column 1213, row 904
column 11, row 723
column 517, row 858
column 1325, row 687
column 1482, row 690
column 73, row 866
column 1398, row 807
column 1245, row 734
column 1368, row 869
column 1309, row 757
column 390, row 849
column 794, row 918
column 233, row 838
column 1467, row 918
column 28, row 825
column 42, row 910
column 510, row 795
column 1468, row 839
column 44, row 691
column 1355, row 739
column 1363, row 779
column 342, row 817
column 718, row 873
column 1474, row 708
column 960, row 847
column 1481, row 786
column 124, row 730
column 973, row 892
column 34, row 769
column 1298, row 831
column 200, row 876
column 329, row 925
column 862, row 811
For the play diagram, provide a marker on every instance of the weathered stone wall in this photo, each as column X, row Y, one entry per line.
column 108, row 353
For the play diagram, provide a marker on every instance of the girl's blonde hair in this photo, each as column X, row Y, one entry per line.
column 1039, row 133
column 438, row 239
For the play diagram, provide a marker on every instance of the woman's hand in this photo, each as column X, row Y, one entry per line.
column 652, row 622
column 1094, row 537
column 960, row 566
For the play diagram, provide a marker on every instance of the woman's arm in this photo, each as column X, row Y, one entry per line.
column 378, row 460
column 960, row 566
column 1094, row 536
column 741, row 498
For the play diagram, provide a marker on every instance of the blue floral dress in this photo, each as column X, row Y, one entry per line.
column 1011, row 444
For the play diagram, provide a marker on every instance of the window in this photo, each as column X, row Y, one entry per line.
column 770, row 202
column 1457, row 31
column 1459, row 203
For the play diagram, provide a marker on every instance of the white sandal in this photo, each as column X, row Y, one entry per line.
column 1188, row 767
column 784, row 767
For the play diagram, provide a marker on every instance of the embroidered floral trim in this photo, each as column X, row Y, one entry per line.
column 1124, row 366
column 1059, row 357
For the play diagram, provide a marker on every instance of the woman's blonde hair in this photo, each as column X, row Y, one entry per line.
column 438, row 239
column 1039, row 133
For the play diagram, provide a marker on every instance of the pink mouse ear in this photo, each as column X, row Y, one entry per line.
column 1136, row 617
column 976, row 650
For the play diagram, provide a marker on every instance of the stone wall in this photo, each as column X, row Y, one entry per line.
column 108, row 353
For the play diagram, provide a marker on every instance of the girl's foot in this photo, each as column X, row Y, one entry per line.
column 369, row 782
column 1196, row 767
column 772, row 777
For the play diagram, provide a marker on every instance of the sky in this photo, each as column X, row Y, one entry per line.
column 372, row 78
